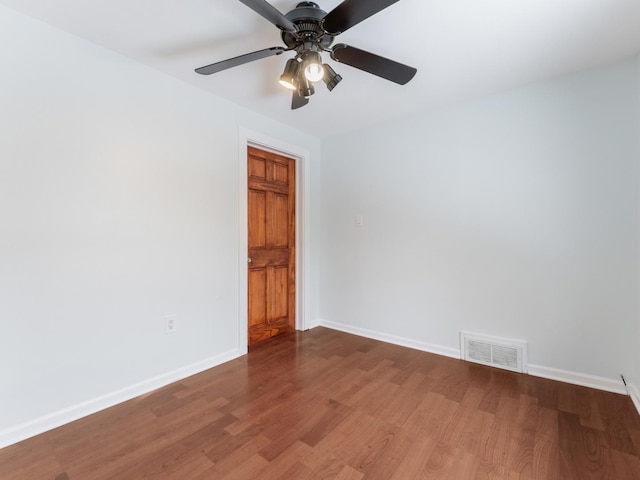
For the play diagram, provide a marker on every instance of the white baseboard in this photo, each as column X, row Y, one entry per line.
column 582, row 379
column 67, row 415
column 56, row 419
column 312, row 324
column 385, row 337
column 634, row 393
column 591, row 381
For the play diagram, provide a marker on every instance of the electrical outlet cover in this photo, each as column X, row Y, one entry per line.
column 169, row 324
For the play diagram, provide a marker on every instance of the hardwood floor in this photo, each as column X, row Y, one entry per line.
column 328, row 405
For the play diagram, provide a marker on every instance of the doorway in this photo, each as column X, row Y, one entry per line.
column 271, row 248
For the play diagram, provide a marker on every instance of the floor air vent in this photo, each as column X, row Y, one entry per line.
column 495, row 352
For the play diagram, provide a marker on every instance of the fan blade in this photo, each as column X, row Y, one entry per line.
column 371, row 63
column 297, row 100
column 352, row 12
column 241, row 60
column 271, row 13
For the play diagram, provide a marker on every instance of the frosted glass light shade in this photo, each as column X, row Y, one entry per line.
column 314, row 72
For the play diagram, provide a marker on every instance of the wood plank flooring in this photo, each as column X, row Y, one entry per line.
column 327, row 405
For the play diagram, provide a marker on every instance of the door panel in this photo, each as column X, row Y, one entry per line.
column 258, row 168
column 278, row 228
column 257, row 212
column 279, row 305
column 271, row 216
column 258, row 298
column 281, row 172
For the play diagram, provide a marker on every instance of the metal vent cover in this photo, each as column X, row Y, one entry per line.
column 494, row 351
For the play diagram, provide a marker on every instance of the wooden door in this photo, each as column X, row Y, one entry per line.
column 272, row 242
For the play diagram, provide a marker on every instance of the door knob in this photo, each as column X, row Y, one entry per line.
column 249, row 260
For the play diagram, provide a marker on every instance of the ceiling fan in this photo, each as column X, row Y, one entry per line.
column 308, row 30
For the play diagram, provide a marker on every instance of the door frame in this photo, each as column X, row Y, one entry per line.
column 302, row 157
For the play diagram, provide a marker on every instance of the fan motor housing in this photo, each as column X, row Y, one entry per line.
column 307, row 16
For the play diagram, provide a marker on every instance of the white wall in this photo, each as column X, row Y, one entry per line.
column 118, row 205
column 513, row 215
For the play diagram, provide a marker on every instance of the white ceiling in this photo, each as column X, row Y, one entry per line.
column 461, row 48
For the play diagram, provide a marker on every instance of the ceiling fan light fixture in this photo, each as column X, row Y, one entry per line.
column 331, row 78
column 313, row 69
column 309, row 31
column 289, row 78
